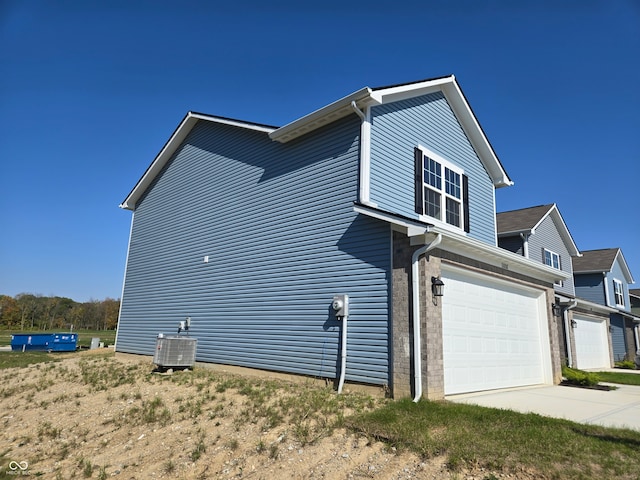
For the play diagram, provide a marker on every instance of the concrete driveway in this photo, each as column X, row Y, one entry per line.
column 615, row 408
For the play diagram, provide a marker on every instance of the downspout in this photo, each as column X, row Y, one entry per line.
column 565, row 308
column 525, row 244
column 606, row 289
column 364, row 168
column 359, row 112
column 415, row 290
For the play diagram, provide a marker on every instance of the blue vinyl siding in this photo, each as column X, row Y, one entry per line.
column 398, row 127
column 546, row 236
column 590, row 286
column 616, row 273
column 617, row 337
column 278, row 226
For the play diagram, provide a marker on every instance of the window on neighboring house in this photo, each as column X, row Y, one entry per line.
column 553, row 260
column 441, row 189
column 618, row 292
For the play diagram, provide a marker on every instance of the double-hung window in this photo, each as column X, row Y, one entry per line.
column 553, row 260
column 618, row 292
column 441, row 189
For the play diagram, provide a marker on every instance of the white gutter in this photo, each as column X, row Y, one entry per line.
column 565, row 308
column 415, row 288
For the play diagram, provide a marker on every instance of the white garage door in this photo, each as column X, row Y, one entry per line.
column 495, row 334
column 592, row 343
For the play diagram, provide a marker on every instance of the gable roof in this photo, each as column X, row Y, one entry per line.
column 527, row 220
column 341, row 108
column 635, row 292
column 595, row 261
column 367, row 96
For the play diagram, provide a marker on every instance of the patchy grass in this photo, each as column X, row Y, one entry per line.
column 23, row 359
column 470, row 437
column 502, row 440
column 620, row 377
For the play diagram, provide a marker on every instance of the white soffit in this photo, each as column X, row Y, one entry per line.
column 469, row 247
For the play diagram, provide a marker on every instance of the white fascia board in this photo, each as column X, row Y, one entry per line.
column 452, row 92
column 470, row 247
column 562, row 230
column 625, row 267
column 411, row 90
column 498, row 257
column 476, row 135
column 330, row 113
column 594, row 307
column 171, row 146
column 409, row 227
column 515, row 232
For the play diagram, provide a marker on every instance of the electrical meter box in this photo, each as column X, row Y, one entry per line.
column 175, row 351
column 341, row 305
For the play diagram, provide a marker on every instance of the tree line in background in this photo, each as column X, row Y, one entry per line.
column 27, row 311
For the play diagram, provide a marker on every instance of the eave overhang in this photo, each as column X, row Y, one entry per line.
column 379, row 96
column 176, row 139
column 594, row 307
column 467, row 247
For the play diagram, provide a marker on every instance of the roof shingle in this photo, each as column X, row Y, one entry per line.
column 595, row 260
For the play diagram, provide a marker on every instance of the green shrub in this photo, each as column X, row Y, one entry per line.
column 627, row 364
column 579, row 377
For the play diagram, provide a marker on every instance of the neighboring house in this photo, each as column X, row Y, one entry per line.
column 540, row 233
column 251, row 230
column 634, row 300
column 603, row 277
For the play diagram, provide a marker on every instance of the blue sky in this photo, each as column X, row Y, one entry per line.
column 91, row 91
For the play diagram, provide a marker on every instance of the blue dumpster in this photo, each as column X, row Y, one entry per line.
column 49, row 342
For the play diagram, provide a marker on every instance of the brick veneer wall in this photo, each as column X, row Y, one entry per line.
column 431, row 317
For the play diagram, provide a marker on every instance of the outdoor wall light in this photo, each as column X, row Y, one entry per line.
column 574, row 324
column 556, row 309
column 437, row 286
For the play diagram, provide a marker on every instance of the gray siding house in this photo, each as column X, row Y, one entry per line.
column 603, row 277
column 251, row 230
column 541, row 234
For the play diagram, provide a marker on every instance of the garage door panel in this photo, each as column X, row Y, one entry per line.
column 592, row 343
column 492, row 335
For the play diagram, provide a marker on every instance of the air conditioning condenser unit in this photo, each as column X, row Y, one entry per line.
column 175, row 351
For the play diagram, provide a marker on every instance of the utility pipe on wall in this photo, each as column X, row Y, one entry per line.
column 565, row 308
column 415, row 288
column 343, row 353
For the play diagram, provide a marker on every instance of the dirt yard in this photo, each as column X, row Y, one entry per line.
column 95, row 415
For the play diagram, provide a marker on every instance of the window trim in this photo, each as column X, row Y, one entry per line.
column 422, row 152
column 559, row 283
column 616, row 293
